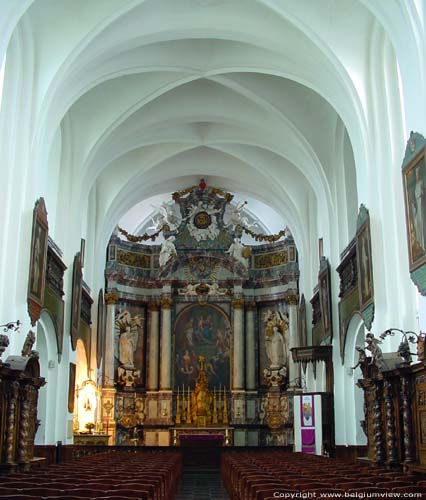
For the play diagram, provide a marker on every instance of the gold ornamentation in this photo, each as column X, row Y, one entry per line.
column 111, row 298
column 144, row 237
column 166, row 303
column 178, row 194
column 238, row 303
column 153, row 305
column 134, row 259
column 265, row 237
column 292, row 300
column 251, row 306
column 266, row 260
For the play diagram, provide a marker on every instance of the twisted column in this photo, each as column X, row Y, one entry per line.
column 392, row 452
column 407, row 420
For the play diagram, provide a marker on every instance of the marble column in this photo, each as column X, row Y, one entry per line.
column 166, row 344
column 154, row 341
column 250, row 347
column 238, row 346
column 108, row 354
column 293, row 368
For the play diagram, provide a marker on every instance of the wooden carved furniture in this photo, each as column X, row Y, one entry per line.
column 395, row 415
column 19, row 385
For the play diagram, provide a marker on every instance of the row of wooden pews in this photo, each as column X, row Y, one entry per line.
column 278, row 474
column 116, row 475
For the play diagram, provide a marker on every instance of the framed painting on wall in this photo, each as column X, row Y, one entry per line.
column 325, row 295
column 38, row 259
column 77, row 285
column 364, row 265
column 414, row 176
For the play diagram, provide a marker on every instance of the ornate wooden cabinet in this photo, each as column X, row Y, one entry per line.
column 19, row 384
column 395, row 414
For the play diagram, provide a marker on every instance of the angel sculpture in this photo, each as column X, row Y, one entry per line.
column 166, row 216
column 168, row 249
column 237, row 219
column 236, row 250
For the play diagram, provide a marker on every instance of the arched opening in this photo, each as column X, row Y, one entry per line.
column 354, row 396
column 47, row 348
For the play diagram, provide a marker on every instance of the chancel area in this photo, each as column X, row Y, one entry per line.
column 213, row 259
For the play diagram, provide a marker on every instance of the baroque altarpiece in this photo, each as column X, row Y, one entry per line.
column 198, row 330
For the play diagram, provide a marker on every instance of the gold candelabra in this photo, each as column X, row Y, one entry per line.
column 178, row 415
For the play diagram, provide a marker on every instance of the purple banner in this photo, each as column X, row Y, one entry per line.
column 308, row 440
column 307, row 423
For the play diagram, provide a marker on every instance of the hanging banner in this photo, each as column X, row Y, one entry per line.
column 307, row 423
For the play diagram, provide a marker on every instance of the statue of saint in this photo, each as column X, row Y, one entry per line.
column 167, row 250
column 127, row 347
column 276, row 348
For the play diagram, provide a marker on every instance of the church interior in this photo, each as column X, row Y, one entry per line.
column 213, row 259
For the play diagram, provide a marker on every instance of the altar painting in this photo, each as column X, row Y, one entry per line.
column 273, row 337
column 130, row 339
column 202, row 331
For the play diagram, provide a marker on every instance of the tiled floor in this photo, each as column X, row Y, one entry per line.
column 201, row 483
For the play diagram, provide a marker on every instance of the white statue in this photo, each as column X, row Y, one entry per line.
column 166, row 215
column 167, row 250
column 276, row 345
column 236, row 217
column 215, row 290
column 188, row 290
column 128, row 328
column 236, row 250
column 276, row 348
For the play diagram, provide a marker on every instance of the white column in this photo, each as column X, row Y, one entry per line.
column 166, row 344
column 238, row 355
column 108, row 355
column 154, row 324
column 250, row 347
column 293, row 369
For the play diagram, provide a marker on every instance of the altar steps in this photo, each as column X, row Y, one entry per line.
column 201, row 483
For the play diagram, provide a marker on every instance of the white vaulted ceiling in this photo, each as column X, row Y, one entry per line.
column 266, row 98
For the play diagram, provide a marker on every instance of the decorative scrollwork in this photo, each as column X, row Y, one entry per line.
column 13, row 326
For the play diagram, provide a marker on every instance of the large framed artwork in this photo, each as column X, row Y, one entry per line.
column 77, row 285
column 364, row 265
column 202, row 330
column 414, row 175
column 325, row 295
column 38, row 259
